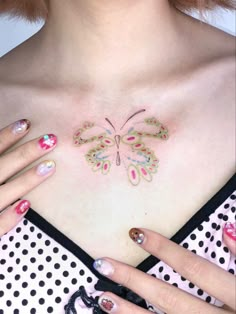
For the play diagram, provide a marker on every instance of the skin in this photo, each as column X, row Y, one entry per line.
column 11, row 163
column 97, row 59
column 60, row 90
column 164, row 296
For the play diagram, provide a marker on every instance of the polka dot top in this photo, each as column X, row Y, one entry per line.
column 42, row 271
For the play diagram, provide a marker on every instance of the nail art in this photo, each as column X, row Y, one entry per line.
column 107, row 304
column 22, row 207
column 103, row 267
column 230, row 230
column 45, row 167
column 47, row 141
column 136, row 235
column 21, row 126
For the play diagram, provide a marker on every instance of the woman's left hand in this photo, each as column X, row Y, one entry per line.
column 209, row 277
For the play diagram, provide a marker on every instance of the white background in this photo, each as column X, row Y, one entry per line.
column 15, row 31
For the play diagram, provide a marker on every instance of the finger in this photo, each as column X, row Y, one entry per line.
column 162, row 295
column 23, row 184
column 10, row 217
column 13, row 133
column 229, row 236
column 196, row 269
column 19, row 158
column 110, row 303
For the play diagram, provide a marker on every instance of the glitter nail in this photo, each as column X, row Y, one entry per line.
column 107, row 304
column 103, row 267
column 47, row 141
column 21, row 126
column 45, row 167
column 22, row 207
column 136, row 235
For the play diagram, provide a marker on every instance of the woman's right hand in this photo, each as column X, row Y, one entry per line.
column 11, row 162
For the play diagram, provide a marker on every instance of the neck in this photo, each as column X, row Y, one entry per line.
column 96, row 42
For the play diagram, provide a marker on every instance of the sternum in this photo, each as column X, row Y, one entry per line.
column 117, row 140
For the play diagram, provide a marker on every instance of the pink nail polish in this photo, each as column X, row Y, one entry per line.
column 48, row 141
column 22, row 207
column 230, row 230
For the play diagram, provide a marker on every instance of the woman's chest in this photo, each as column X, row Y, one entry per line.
column 121, row 174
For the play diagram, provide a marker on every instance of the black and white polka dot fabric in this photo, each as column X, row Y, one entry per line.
column 205, row 241
column 41, row 269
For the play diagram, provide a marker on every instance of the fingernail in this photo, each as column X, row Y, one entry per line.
column 136, row 235
column 107, row 304
column 48, row 141
column 103, row 267
column 22, row 207
column 20, row 126
column 45, row 167
column 230, row 230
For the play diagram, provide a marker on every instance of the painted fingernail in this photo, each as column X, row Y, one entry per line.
column 107, row 304
column 103, row 267
column 20, row 126
column 45, row 167
column 22, row 207
column 48, row 141
column 136, row 235
column 230, row 230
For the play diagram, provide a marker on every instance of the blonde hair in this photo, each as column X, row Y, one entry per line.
column 36, row 9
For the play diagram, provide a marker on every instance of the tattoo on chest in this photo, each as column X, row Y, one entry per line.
column 116, row 147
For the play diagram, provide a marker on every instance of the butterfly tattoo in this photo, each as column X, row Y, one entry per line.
column 127, row 148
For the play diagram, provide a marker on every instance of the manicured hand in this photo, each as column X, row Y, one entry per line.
column 13, row 161
column 209, row 277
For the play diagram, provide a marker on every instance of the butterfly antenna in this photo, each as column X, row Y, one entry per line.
column 110, row 124
column 142, row 110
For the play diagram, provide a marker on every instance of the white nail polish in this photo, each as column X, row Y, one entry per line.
column 45, row 167
column 103, row 267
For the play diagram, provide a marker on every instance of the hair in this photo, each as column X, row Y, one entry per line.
column 37, row 9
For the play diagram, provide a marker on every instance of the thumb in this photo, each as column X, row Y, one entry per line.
column 229, row 236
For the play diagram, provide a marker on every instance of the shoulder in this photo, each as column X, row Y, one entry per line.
column 214, row 68
column 15, row 86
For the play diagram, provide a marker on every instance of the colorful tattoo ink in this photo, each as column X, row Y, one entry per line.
column 140, row 161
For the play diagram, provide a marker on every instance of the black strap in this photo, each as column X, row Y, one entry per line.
column 92, row 302
column 121, row 291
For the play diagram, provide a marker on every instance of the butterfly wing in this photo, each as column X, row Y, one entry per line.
column 97, row 156
column 142, row 162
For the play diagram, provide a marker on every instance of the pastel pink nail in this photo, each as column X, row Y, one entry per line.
column 48, row 141
column 20, row 126
column 230, row 230
column 103, row 267
column 22, row 207
column 45, row 167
